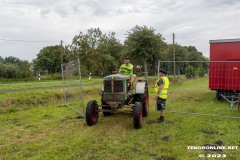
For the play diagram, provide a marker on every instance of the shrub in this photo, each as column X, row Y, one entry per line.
column 200, row 71
column 189, row 72
column 9, row 71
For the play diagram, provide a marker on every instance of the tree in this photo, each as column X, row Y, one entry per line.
column 143, row 45
column 12, row 67
column 50, row 59
column 9, row 71
column 25, row 69
column 1, row 59
column 12, row 60
column 180, row 55
column 97, row 50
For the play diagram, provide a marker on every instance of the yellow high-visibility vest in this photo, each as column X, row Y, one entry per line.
column 164, row 91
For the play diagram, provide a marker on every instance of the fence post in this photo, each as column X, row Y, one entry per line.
column 81, row 89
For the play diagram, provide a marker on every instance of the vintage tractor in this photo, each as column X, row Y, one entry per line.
column 117, row 93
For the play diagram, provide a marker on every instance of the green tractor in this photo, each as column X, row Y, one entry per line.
column 118, row 93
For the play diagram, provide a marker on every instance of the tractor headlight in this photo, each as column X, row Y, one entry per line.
column 130, row 92
column 101, row 92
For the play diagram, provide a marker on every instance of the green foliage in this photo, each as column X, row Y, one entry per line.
column 194, row 55
column 12, row 67
column 55, row 76
column 189, row 71
column 103, row 51
column 200, row 71
column 9, row 71
column 50, row 59
column 12, row 60
column 144, row 45
column 25, row 71
column 97, row 50
column 1, row 59
column 180, row 55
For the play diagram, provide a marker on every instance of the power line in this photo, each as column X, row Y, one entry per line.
column 28, row 41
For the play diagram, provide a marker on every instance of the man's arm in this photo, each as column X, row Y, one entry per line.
column 120, row 69
column 160, row 87
column 159, row 90
column 129, row 68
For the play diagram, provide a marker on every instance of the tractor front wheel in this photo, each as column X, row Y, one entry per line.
column 137, row 115
column 92, row 113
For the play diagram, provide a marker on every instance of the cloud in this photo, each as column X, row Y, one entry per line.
column 194, row 22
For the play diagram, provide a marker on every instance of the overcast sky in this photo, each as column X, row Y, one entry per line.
column 194, row 22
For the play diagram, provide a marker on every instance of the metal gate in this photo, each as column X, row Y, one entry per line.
column 72, row 84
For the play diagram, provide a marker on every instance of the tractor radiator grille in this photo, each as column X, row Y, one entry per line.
column 107, row 86
column 118, row 86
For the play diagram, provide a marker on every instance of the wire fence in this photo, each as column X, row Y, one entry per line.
column 221, row 77
column 71, row 71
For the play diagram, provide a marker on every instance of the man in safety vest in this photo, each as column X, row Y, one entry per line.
column 161, row 89
column 127, row 69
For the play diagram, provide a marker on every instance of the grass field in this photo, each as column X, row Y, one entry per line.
column 44, row 84
column 33, row 126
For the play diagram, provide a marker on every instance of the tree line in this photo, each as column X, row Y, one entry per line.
column 103, row 51
column 13, row 68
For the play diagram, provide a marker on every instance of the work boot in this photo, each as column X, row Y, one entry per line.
column 161, row 119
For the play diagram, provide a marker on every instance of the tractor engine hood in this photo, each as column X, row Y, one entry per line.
column 117, row 77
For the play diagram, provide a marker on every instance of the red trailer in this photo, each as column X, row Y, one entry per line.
column 224, row 70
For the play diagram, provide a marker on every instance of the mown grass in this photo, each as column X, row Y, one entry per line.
column 46, row 131
column 17, row 101
column 29, row 85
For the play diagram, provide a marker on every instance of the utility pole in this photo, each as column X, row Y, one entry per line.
column 63, row 50
column 174, row 65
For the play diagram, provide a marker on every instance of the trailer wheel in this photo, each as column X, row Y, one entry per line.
column 218, row 95
column 92, row 113
column 137, row 115
column 239, row 103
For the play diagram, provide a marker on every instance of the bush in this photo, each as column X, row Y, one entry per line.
column 25, row 71
column 15, row 70
column 55, row 76
column 9, row 71
column 200, row 71
column 189, row 72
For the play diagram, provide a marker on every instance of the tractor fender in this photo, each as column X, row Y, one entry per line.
column 140, row 87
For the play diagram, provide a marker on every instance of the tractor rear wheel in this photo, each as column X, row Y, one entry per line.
column 144, row 98
column 92, row 113
column 145, row 104
column 137, row 115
